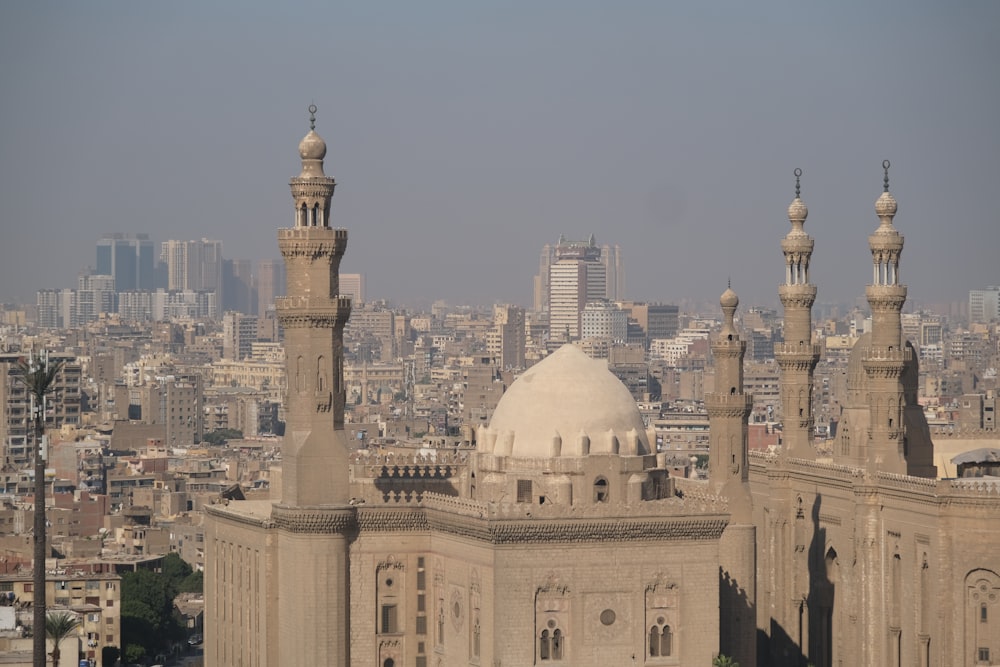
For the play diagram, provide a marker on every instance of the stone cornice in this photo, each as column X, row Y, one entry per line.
column 336, row 519
column 386, row 519
column 534, row 530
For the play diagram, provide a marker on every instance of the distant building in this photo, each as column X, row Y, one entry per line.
column 506, row 341
column 270, row 283
column 193, row 265
column 353, row 285
column 984, row 304
column 129, row 259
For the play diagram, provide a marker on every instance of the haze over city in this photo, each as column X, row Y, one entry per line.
column 465, row 136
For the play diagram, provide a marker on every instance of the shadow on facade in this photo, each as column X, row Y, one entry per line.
column 738, row 618
column 809, row 636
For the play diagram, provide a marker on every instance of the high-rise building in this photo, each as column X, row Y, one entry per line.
column 605, row 321
column 506, row 341
column 614, row 270
column 575, row 277
column 984, row 304
column 193, row 265
column 270, row 283
column 239, row 333
column 609, row 257
column 129, row 259
column 353, row 285
column 239, row 289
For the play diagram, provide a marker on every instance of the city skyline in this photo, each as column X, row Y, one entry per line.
column 464, row 138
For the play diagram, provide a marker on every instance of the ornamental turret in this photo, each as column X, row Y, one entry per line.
column 797, row 355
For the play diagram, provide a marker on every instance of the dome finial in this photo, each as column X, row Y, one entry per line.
column 885, row 182
column 798, row 189
column 312, row 116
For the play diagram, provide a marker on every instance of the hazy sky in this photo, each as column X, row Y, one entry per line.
column 465, row 135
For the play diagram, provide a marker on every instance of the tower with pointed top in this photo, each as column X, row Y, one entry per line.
column 728, row 474
column 314, row 520
column 313, row 316
column 884, row 358
column 797, row 355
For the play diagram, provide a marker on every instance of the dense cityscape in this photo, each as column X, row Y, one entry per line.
column 171, row 397
column 567, row 372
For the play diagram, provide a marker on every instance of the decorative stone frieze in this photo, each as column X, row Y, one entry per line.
column 321, row 520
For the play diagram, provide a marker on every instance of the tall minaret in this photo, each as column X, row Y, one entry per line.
column 314, row 466
column 728, row 474
column 314, row 519
column 885, row 356
column 797, row 355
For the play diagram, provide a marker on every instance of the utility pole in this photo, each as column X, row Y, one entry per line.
column 38, row 375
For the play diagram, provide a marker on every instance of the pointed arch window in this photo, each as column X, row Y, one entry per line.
column 661, row 640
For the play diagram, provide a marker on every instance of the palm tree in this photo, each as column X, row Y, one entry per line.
column 58, row 626
column 724, row 661
column 38, row 376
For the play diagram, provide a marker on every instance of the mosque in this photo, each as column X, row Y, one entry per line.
column 563, row 539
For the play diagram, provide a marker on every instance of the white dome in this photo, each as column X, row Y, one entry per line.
column 570, row 397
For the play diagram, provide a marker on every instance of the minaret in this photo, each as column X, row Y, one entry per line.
column 314, row 520
column 728, row 407
column 314, row 465
column 885, row 356
column 728, row 475
column 797, row 355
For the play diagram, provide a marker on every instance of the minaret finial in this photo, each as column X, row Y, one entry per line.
column 885, row 182
column 312, row 116
column 798, row 189
column 729, row 282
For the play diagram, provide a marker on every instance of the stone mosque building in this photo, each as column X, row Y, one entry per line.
column 563, row 540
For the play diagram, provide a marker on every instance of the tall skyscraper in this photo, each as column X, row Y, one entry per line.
column 575, row 277
column 614, row 270
column 129, row 259
column 193, row 265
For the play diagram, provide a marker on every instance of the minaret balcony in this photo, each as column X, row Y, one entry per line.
column 728, row 405
column 797, row 295
column 305, row 311
column 886, row 297
column 797, row 353
column 800, row 244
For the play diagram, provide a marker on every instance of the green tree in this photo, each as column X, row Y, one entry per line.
column 193, row 583
column 147, row 617
column 38, row 375
column 134, row 653
column 58, row 626
column 724, row 661
column 175, row 570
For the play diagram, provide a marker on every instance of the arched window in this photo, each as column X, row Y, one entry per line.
column 544, row 646
column 475, row 637
column 440, row 621
column 389, row 662
column 557, row 644
column 600, row 490
column 661, row 640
